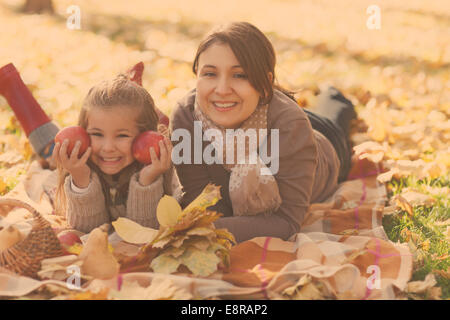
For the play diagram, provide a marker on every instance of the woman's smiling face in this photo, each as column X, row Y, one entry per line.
column 112, row 132
column 224, row 93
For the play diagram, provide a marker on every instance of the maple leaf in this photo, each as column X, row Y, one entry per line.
column 209, row 197
column 165, row 263
column 139, row 262
column 199, row 262
column 190, row 238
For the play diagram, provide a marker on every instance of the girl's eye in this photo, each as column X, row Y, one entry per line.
column 240, row 76
column 209, row 74
column 123, row 136
column 96, row 134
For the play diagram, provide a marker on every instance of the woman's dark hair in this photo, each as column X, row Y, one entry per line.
column 254, row 52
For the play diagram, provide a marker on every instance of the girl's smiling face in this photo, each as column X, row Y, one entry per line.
column 112, row 132
column 224, row 93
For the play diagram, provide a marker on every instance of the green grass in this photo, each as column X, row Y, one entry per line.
column 421, row 230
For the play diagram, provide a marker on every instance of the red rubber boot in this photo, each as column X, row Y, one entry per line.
column 38, row 127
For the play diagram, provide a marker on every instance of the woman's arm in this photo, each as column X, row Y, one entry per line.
column 248, row 227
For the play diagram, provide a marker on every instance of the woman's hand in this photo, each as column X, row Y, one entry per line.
column 77, row 167
column 151, row 172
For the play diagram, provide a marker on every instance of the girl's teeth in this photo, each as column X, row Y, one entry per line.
column 224, row 105
column 112, row 159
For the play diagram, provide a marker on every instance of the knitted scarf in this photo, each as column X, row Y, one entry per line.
column 115, row 187
column 251, row 192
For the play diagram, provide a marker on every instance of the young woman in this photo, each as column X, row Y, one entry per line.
column 235, row 70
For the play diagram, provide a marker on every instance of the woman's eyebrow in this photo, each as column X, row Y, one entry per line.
column 209, row 66
column 212, row 66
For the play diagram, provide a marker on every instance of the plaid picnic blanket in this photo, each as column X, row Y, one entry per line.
column 342, row 251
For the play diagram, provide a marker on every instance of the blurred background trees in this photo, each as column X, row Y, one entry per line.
column 38, row 6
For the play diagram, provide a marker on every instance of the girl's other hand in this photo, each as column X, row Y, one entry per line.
column 77, row 167
column 151, row 172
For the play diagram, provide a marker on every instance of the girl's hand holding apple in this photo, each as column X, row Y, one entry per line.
column 68, row 159
column 157, row 166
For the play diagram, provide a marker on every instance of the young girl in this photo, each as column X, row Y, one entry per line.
column 106, row 182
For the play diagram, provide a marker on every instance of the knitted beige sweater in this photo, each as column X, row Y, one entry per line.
column 86, row 210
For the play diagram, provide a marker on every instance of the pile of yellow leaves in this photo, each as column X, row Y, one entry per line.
column 186, row 237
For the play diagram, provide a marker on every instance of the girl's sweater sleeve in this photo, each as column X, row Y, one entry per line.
column 143, row 200
column 86, row 211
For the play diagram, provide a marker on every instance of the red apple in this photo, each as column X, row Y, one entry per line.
column 143, row 143
column 74, row 133
column 68, row 238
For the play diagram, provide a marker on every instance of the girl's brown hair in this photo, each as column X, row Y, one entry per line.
column 254, row 52
column 120, row 91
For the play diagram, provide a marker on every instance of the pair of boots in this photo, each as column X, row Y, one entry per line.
column 38, row 127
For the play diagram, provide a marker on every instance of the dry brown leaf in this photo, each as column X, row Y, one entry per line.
column 415, row 198
column 403, row 204
column 388, row 210
column 371, row 150
column 209, row 197
column 387, row 176
column 422, row 286
column 191, row 240
column 309, row 292
column 443, row 273
column 57, row 269
column 290, row 291
column 434, row 293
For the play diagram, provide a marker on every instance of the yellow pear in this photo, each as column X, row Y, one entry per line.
column 9, row 236
column 98, row 261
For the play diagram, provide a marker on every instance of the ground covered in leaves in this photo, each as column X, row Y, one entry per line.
column 398, row 78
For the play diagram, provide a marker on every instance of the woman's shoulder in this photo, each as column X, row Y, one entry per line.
column 282, row 110
column 182, row 116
